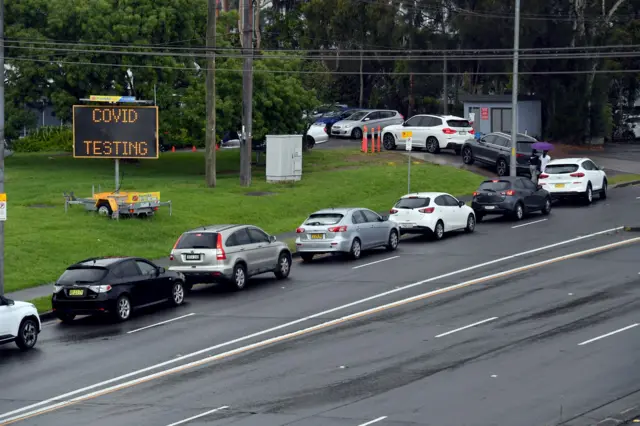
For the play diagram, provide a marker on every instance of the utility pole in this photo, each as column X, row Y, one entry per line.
column 2, row 143
column 247, row 93
column 445, row 96
column 513, row 171
column 210, row 142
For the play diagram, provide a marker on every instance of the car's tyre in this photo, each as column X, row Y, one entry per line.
column 432, row 145
column 518, row 212
column 471, row 224
column 283, row 269
column 356, row 133
column 104, row 209
column 588, row 194
column 239, row 277
column 309, row 142
column 177, row 293
column 65, row 317
column 392, row 242
column 502, row 168
column 438, row 232
column 467, row 156
column 603, row 191
column 356, row 249
column 27, row 334
column 389, row 142
column 122, row 311
column 546, row 209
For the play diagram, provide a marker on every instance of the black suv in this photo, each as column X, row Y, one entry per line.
column 513, row 196
column 494, row 149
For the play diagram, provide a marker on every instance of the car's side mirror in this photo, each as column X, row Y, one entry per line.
column 9, row 302
column 160, row 270
column 366, row 119
column 272, row 239
column 382, row 218
column 461, row 203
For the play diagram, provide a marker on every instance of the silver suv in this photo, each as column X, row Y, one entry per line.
column 229, row 254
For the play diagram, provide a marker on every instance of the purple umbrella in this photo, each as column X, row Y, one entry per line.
column 542, row 146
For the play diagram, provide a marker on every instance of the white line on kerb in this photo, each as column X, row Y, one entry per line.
column 467, row 326
column 198, row 416
column 373, row 421
column 377, row 261
column 291, row 323
column 528, row 223
column 159, row 323
column 608, row 334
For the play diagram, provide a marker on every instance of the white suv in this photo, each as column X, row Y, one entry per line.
column 432, row 132
column 19, row 323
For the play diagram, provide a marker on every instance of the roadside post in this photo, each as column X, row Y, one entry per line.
column 408, row 146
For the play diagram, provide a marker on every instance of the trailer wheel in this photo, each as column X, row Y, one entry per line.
column 104, row 209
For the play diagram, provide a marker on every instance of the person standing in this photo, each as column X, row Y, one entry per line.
column 534, row 165
column 544, row 160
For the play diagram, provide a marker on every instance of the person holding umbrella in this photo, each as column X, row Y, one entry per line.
column 545, row 147
column 534, row 165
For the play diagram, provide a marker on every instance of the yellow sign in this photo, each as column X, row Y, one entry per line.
column 98, row 98
column 3, row 197
column 3, row 207
column 407, row 134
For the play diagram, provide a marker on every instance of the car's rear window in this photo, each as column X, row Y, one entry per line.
column 320, row 219
column 198, row 240
column 524, row 146
column 495, row 185
column 559, row 169
column 458, row 123
column 413, row 203
column 82, row 275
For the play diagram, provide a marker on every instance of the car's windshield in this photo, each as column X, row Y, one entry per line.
column 559, row 169
column 347, row 114
column 494, row 185
column 198, row 240
column 320, row 219
column 82, row 275
column 524, row 146
column 359, row 115
column 413, row 202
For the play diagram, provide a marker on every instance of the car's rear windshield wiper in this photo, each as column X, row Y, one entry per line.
column 84, row 282
column 200, row 247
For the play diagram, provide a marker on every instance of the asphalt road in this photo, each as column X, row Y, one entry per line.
column 480, row 329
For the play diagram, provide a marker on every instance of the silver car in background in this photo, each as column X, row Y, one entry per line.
column 228, row 254
column 345, row 230
column 352, row 126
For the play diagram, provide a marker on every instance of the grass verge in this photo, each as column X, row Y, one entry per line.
column 622, row 178
column 43, row 304
column 41, row 240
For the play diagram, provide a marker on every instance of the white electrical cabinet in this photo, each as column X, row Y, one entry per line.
column 284, row 158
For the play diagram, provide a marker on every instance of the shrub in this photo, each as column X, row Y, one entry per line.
column 46, row 139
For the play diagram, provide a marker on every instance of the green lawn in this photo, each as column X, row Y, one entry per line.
column 623, row 178
column 41, row 240
column 43, row 304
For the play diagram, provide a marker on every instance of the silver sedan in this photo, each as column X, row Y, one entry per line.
column 345, row 230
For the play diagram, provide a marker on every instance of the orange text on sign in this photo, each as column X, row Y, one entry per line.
column 110, row 148
column 114, row 115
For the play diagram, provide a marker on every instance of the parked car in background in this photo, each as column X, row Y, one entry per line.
column 19, row 323
column 352, row 127
column 431, row 132
column 494, row 149
column 345, row 230
column 114, row 285
column 512, row 196
column 229, row 254
column 316, row 133
column 323, row 109
column 330, row 118
column 434, row 213
column 574, row 177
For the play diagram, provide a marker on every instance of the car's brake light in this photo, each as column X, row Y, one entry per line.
column 508, row 192
column 427, row 210
column 393, row 211
column 520, row 155
column 472, row 132
column 338, row 229
column 448, row 131
column 300, row 231
column 543, row 176
column 220, row 254
column 100, row 288
column 171, row 257
column 325, row 129
column 579, row 174
column 475, row 194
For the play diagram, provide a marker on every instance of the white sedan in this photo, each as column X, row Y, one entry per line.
column 574, row 177
column 432, row 212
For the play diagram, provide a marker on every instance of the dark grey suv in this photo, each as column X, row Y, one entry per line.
column 494, row 149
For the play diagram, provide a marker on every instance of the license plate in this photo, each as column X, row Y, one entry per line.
column 489, row 207
column 145, row 204
column 76, row 292
column 192, row 257
column 463, row 132
column 317, row 236
column 559, row 185
column 406, row 225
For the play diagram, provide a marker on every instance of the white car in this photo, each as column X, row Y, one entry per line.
column 574, row 177
column 316, row 134
column 19, row 323
column 432, row 212
column 431, row 132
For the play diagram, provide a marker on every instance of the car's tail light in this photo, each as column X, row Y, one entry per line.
column 393, row 211
column 579, row 174
column 543, row 176
column 448, row 131
column 508, row 192
column 177, row 241
column 100, row 288
column 520, row 155
column 427, row 210
column 472, row 132
column 402, row 116
column 475, row 194
column 171, row 258
column 220, row 254
column 300, row 231
column 325, row 129
column 338, row 229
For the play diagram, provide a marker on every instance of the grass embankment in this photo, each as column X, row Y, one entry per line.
column 43, row 304
column 622, row 178
column 41, row 240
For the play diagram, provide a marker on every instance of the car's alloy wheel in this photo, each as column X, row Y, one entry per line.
column 389, row 142
column 439, row 231
column 519, row 211
column 432, row 145
column 471, row 223
column 27, row 335
column 501, row 168
column 284, row 266
column 177, row 294
column 123, row 308
column 356, row 249
column 467, row 156
column 589, row 194
column 393, row 241
column 239, row 277
column 547, row 206
column 357, row 133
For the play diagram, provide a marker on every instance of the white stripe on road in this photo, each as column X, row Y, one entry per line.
column 198, row 416
column 291, row 323
column 159, row 323
column 377, row 261
column 467, row 326
column 608, row 334
column 528, row 223
column 373, row 421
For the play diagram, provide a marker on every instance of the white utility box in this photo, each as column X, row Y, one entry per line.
column 284, row 158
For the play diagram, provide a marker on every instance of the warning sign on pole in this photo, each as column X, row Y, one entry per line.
column 3, row 207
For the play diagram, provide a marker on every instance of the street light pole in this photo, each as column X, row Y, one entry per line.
column 514, row 93
column 2, row 143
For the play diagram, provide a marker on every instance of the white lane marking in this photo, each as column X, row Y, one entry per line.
column 373, row 421
column 528, row 223
column 608, row 334
column 467, row 326
column 199, row 415
column 159, row 323
column 377, row 261
column 300, row 320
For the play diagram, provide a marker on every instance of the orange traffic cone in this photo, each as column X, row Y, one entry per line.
column 173, row 149
column 364, row 139
column 193, row 148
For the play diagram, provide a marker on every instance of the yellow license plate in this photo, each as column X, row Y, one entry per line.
column 406, row 135
column 559, row 185
column 76, row 292
column 316, row 236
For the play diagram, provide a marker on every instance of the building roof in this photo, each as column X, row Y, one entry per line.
column 495, row 98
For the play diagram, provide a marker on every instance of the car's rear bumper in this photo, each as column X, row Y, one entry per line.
column 483, row 209
column 203, row 275
column 414, row 227
column 323, row 246
column 82, row 307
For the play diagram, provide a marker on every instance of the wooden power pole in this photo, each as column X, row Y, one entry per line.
column 247, row 92
column 210, row 144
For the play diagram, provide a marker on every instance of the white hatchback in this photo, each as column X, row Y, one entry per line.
column 431, row 132
column 574, row 177
column 19, row 323
column 433, row 213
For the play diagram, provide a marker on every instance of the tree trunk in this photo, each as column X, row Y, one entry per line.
column 210, row 143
